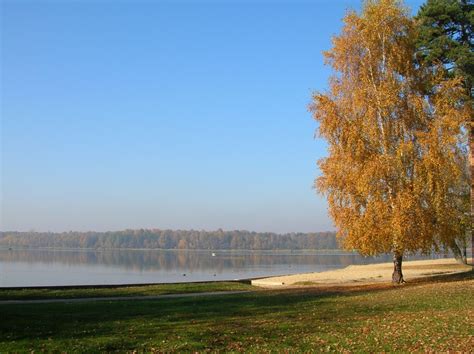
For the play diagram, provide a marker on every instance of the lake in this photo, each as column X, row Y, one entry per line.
column 86, row 267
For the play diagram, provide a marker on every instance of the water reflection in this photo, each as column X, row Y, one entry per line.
column 62, row 267
column 150, row 260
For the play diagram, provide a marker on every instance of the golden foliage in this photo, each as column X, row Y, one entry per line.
column 395, row 177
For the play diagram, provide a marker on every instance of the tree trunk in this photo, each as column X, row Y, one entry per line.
column 397, row 276
column 471, row 146
column 458, row 252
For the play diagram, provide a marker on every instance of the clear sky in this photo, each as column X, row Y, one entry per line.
column 183, row 114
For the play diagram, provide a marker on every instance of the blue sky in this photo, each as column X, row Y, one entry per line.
column 163, row 114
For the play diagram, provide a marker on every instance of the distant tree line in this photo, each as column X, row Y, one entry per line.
column 171, row 239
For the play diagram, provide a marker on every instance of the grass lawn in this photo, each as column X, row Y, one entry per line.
column 433, row 315
column 143, row 290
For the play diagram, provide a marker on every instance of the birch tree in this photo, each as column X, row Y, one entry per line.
column 445, row 36
column 395, row 171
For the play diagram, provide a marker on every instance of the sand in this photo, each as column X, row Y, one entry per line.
column 366, row 274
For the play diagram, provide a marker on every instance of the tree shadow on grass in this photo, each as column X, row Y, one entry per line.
column 124, row 324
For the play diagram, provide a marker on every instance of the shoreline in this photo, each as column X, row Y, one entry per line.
column 328, row 251
column 366, row 274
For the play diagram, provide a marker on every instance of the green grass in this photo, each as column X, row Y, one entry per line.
column 140, row 290
column 434, row 315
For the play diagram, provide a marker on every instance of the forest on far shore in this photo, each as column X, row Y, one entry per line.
column 172, row 239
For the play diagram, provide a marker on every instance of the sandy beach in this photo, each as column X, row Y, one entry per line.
column 366, row 274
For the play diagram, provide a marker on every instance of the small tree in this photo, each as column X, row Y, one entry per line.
column 395, row 170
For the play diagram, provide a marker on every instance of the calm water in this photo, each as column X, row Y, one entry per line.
column 65, row 267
